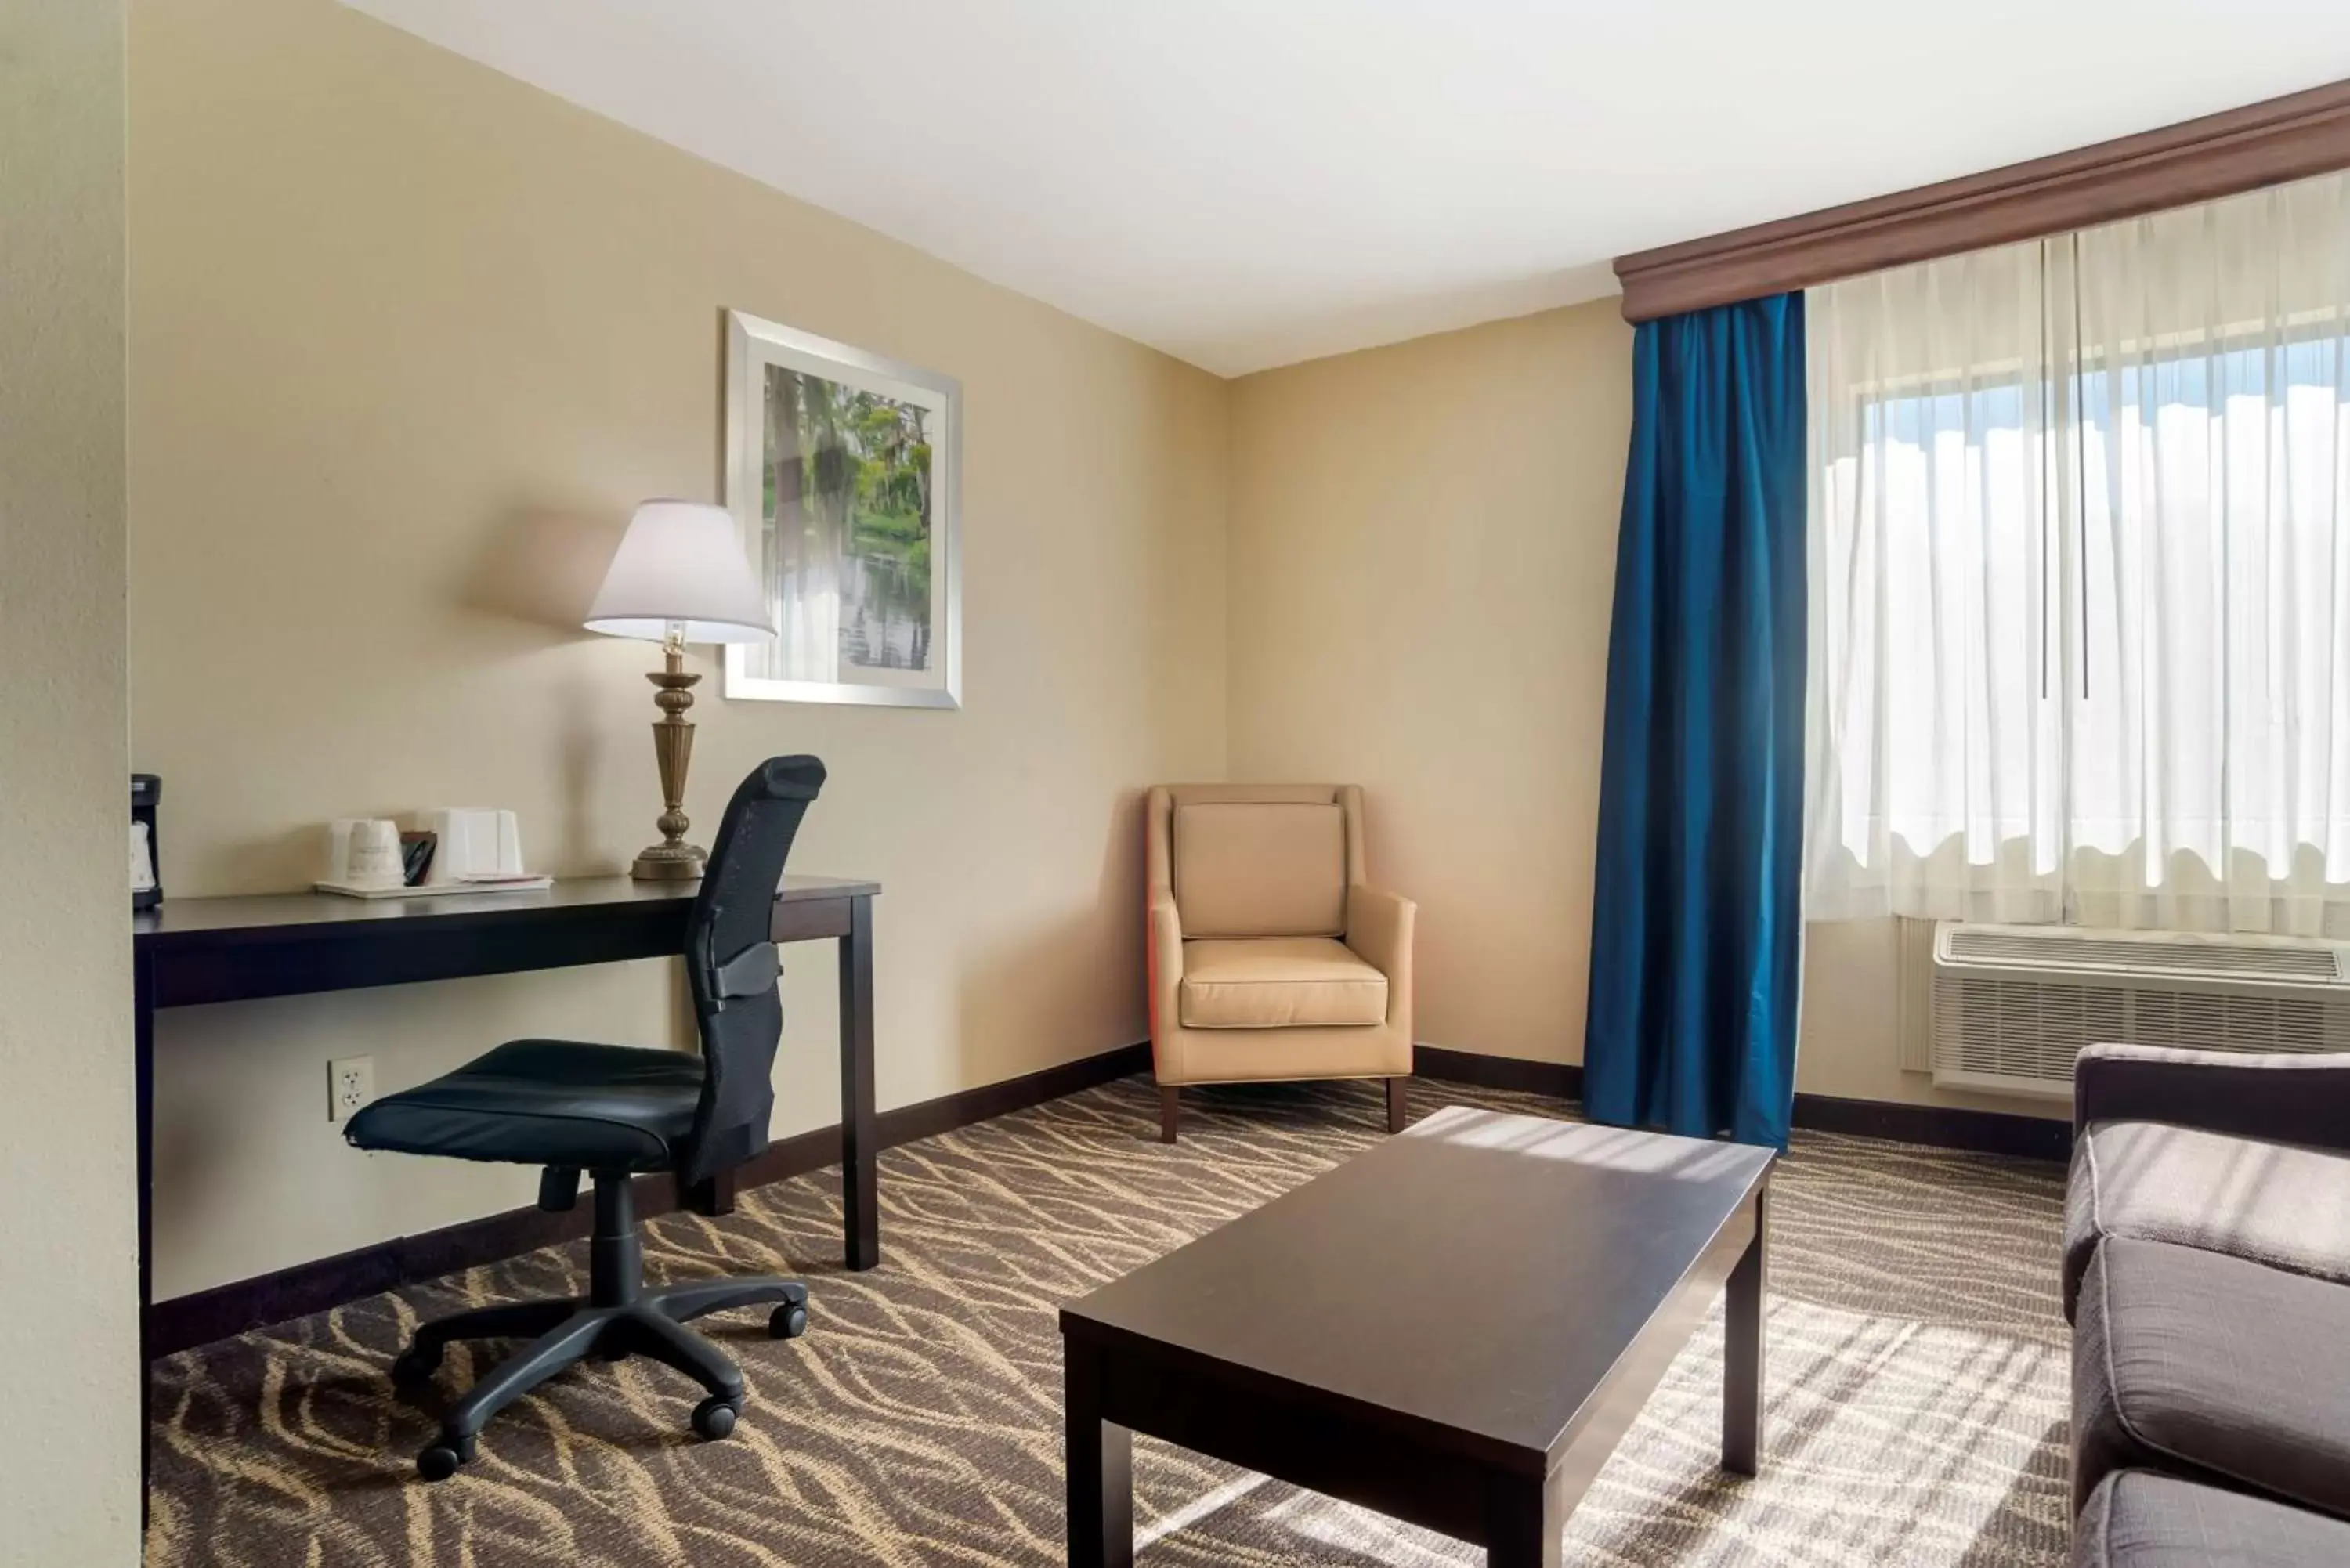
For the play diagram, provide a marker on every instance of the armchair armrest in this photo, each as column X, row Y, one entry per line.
column 1164, row 955
column 2284, row 1099
column 1378, row 929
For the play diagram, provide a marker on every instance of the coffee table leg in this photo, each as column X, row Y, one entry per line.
column 1742, row 1358
column 1523, row 1520
column 1100, row 1468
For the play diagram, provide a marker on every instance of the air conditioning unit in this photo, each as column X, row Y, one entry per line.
column 2013, row 1005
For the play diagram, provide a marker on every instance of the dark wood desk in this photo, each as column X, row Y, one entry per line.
column 192, row 951
column 1453, row 1328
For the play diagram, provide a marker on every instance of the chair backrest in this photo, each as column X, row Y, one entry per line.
column 731, row 963
column 1257, row 860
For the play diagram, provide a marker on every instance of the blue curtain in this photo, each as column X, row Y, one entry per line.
column 1695, row 927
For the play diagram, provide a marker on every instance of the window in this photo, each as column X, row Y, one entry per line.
column 2080, row 584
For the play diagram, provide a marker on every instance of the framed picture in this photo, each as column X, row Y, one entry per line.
column 841, row 470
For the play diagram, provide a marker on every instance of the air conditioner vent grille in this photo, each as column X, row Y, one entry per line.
column 2021, row 1036
column 2058, row 950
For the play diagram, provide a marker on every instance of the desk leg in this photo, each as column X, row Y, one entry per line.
column 859, row 1187
column 1742, row 1358
column 1099, row 1466
column 142, row 1070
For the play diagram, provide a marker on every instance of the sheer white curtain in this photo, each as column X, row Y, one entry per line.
column 2080, row 592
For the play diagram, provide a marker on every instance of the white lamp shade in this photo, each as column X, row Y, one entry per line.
column 680, row 563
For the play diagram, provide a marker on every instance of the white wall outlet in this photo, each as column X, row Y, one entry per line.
column 350, row 1084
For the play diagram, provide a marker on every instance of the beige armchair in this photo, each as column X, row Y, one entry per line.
column 1271, row 955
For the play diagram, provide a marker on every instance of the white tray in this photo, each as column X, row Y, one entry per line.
column 438, row 889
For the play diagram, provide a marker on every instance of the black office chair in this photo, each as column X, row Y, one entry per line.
column 614, row 1112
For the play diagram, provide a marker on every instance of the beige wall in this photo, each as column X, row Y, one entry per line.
column 408, row 339
column 1423, row 549
column 1422, row 563
column 68, row 1280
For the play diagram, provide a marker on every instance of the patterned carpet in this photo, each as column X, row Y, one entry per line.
column 1916, row 1396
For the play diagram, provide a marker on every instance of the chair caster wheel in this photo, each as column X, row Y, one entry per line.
column 440, row 1461
column 714, row 1416
column 788, row 1321
column 414, row 1368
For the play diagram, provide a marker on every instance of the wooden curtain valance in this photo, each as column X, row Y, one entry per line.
column 2263, row 144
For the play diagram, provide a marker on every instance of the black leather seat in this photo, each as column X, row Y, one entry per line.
column 547, row 1102
column 615, row 1112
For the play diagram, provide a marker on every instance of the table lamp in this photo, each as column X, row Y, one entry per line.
column 680, row 575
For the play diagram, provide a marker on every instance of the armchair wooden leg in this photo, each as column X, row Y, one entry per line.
column 1170, row 1111
column 1398, row 1111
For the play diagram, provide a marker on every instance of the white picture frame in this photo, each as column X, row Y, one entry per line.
column 850, row 518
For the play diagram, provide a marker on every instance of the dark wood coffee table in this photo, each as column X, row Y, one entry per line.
column 1454, row 1328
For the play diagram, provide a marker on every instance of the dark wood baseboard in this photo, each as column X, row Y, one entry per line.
column 1561, row 1080
column 966, row 1106
column 1939, row 1127
column 231, row 1309
column 1936, row 1126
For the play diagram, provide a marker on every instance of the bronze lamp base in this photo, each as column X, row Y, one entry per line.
column 673, row 859
column 670, row 863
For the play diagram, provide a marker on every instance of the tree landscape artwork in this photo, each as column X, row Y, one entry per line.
column 840, row 472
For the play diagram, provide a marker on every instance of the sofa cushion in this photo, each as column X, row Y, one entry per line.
column 2210, row 1366
column 2273, row 1203
column 1261, row 868
column 1281, row 982
column 2138, row 1519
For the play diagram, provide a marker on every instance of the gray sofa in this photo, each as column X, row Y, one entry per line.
column 2206, row 1277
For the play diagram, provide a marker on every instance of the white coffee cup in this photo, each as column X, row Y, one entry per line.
column 375, row 855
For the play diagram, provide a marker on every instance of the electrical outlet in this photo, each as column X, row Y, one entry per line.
column 350, row 1084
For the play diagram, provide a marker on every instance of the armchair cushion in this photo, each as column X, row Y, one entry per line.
column 2274, row 1203
column 1261, row 868
column 1279, row 982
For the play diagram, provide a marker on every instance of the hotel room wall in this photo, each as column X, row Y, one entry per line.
column 407, row 339
column 69, row 1271
column 1422, row 564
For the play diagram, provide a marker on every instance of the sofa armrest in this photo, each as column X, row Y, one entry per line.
column 1378, row 930
column 1164, row 957
column 2281, row 1097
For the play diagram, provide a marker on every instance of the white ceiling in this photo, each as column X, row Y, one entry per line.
column 1249, row 182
